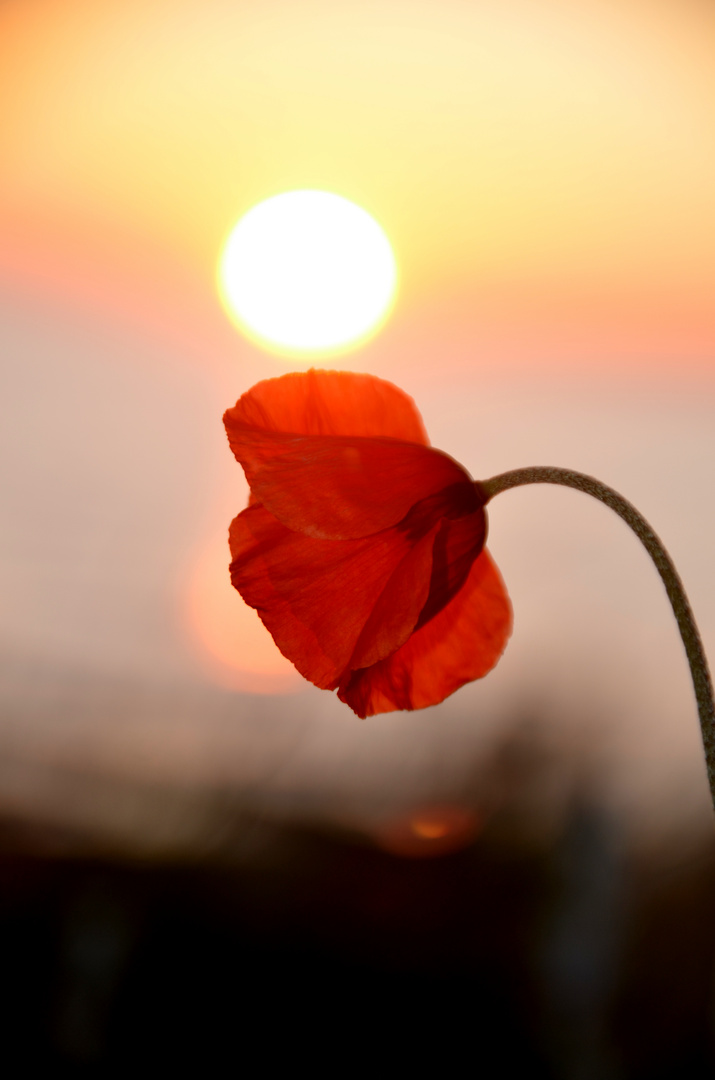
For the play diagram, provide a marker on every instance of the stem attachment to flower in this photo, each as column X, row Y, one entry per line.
column 546, row 474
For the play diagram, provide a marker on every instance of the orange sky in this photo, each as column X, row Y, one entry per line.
column 544, row 169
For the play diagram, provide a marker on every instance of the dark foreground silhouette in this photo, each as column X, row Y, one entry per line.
column 508, row 957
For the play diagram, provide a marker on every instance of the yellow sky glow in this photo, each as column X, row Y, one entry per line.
column 507, row 146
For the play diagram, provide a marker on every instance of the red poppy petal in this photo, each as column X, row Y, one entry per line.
column 336, row 487
column 397, row 609
column 456, row 546
column 331, row 403
column 424, row 583
column 463, row 642
column 317, row 596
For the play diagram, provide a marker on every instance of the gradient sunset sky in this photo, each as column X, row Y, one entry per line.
column 544, row 169
column 545, row 172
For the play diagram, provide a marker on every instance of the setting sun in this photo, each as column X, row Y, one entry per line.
column 307, row 272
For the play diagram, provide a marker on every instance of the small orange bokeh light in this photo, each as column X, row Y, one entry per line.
column 234, row 646
column 429, row 831
column 429, row 828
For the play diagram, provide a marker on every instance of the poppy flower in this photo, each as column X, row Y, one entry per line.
column 362, row 547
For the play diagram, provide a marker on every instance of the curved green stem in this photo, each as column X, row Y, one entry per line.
column 544, row 474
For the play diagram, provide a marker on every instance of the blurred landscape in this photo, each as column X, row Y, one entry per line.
column 199, row 851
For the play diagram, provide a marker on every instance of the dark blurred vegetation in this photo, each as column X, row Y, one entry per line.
column 312, row 948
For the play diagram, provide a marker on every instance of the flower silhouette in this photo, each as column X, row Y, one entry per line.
column 362, row 547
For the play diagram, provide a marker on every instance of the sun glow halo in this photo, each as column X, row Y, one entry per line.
column 307, row 272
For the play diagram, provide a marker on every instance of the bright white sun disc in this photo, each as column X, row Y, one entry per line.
column 308, row 271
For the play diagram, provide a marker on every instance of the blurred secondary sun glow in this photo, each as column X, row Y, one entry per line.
column 237, row 650
column 307, row 272
column 429, row 831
